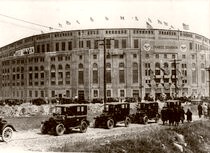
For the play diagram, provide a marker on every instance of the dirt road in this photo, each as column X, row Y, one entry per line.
column 33, row 140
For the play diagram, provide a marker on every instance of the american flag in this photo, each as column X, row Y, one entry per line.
column 91, row 19
column 60, row 25
column 149, row 26
column 185, row 26
column 68, row 23
column 122, row 18
column 106, row 18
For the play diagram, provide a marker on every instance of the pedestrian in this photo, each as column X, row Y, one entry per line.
column 200, row 110
column 189, row 115
column 181, row 112
column 205, row 110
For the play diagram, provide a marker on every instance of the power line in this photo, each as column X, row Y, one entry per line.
column 29, row 22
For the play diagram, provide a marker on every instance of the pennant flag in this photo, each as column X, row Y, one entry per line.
column 91, row 19
column 42, row 32
column 165, row 23
column 78, row 22
column 122, row 18
column 149, row 26
column 106, row 18
column 50, row 28
column 60, row 25
column 149, row 20
column 68, row 23
column 159, row 22
column 172, row 27
column 185, row 26
column 136, row 18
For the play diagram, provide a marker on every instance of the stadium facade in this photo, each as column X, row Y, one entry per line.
column 138, row 62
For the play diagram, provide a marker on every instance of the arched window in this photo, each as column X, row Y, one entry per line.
column 95, row 73
column 42, row 68
column 67, row 67
column 121, row 73
column 157, row 65
column 60, row 67
column 53, row 67
column 135, row 73
column 165, row 65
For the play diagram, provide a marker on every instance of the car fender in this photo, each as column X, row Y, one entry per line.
column 8, row 125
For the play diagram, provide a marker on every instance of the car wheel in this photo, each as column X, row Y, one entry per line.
column 43, row 129
column 83, row 127
column 145, row 120
column 7, row 134
column 127, row 121
column 110, row 123
column 59, row 130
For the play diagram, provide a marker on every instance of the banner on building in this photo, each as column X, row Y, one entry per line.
column 24, row 51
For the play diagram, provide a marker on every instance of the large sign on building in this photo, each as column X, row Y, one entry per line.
column 24, row 51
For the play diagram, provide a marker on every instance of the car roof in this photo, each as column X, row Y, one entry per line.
column 148, row 102
column 70, row 105
column 116, row 103
column 172, row 101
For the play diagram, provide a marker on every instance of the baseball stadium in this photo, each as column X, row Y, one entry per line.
column 139, row 62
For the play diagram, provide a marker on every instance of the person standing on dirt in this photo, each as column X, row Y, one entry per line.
column 200, row 110
column 181, row 112
column 189, row 115
column 205, row 111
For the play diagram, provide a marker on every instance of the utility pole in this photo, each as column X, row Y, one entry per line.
column 104, row 43
column 175, row 64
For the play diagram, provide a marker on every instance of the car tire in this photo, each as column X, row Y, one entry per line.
column 110, row 123
column 7, row 134
column 43, row 129
column 145, row 120
column 127, row 121
column 59, row 130
column 83, row 127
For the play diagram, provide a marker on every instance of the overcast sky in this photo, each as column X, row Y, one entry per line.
column 49, row 13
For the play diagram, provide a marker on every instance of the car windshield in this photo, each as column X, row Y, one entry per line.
column 59, row 110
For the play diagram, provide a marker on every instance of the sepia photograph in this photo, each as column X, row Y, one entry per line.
column 105, row 76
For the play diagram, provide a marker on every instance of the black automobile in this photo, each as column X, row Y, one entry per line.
column 112, row 114
column 65, row 119
column 6, row 130
column 148, row 110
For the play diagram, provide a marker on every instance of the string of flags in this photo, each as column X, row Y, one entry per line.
column 149, row 23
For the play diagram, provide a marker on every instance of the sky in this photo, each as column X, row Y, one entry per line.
column 23, row 18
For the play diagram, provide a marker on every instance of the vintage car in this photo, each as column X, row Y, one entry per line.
column 65, row 119
column 6, row 130
column 147, row 110
column 113, row 113
column 168, row 109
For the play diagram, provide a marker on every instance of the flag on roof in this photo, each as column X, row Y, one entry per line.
column 60, row 25
column 149, row 20
column 165, row 23
column 172, row 27
column 185, row 26
column 68, row 23
column 91, row 19
column 159, row 22
column 136, row 18
column 42, row 32
column 50, row 28
column 78, row 22
column 106, row 18
column 149, row 26
column 122, row 18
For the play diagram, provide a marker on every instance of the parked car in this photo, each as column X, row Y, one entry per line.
column 147, row 110
column 112, row 114
column 66, row 118
column 6, row 130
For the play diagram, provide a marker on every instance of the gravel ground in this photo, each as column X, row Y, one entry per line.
column 33, row 140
